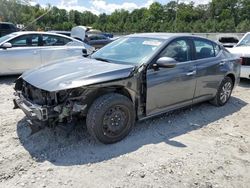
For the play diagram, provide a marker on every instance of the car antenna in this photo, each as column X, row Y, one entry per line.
column 38, row 18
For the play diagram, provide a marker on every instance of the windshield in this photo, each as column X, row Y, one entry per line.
column 6, row 37
column 245, row 41
column 129, row 50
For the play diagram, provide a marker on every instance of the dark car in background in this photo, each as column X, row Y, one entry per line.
column 7, row 28
column 97, row 40
column 133, row 78
column 228, row 41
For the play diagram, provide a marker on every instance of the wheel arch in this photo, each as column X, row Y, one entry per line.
column 116, row 89
column 232, row 76
column 130, row 94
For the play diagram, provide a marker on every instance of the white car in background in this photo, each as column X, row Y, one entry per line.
column 242, row 49
column 21, row 51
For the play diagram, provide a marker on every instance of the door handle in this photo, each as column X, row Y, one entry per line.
column 191, row 73
column 35, row 52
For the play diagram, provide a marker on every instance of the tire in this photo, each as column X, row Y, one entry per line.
column 223, row 93
column 110, row 118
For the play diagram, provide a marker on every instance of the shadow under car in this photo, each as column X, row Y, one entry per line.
column 79, row 148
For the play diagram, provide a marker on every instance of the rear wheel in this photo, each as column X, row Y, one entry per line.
column 110, row 118
column 224, row 92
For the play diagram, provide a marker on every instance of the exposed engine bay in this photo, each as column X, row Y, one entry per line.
column 53, row 108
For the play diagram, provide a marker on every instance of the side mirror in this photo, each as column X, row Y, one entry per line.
column 84, row 52
column 6, row 45
column 165, row 62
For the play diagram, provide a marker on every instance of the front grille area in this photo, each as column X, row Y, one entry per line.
column 34, row 94
column 246, row 61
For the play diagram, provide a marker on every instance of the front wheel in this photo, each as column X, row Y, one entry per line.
column 110, row 118
column 224, row 92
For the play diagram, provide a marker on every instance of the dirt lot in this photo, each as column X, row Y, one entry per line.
column 202, row 146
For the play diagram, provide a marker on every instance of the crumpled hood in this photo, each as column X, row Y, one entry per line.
column 243, row 51
column 75, row 73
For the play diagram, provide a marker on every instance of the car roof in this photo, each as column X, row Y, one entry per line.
column 170, row 36
column 35, row 32
column 159, row 35
column 41, row 32
column 57, row 31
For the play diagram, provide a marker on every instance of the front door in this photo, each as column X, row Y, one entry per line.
column 170, row 88
column 24, row 55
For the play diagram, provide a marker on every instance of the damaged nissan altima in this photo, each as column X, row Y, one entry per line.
column 133, row 78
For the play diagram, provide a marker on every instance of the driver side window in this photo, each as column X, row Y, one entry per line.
column 179, row 50
column 25, row 41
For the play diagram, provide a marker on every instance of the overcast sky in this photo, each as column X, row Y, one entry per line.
column 107, row 6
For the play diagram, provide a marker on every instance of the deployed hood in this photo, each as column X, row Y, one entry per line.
column 243, row 51
column 75, row 73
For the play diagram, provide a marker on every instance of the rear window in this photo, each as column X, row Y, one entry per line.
column 97, row 37
column 4, row 26
column 228, row 40
column 53, row 40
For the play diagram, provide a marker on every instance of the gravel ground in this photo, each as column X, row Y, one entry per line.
column 202, row 146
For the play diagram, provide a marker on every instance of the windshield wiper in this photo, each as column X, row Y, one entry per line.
column 101, row 59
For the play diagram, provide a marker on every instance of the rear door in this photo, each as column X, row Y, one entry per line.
column 170, row 88
column 55, row 48
column 24, row 54
column 209, row 68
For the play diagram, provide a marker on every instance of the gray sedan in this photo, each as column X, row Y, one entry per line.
column 133, row 78
column 21, row 51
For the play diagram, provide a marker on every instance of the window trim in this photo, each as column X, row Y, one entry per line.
column 220, row 49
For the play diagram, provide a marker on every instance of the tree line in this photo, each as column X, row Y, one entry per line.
column 216, row 16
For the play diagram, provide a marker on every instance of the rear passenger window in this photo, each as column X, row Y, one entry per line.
column 53, row 40
column 204, row 49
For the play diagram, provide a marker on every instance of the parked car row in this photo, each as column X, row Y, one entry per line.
column 133, row 78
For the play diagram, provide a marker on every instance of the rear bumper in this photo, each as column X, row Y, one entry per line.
column 245, row 72
column 33, row 111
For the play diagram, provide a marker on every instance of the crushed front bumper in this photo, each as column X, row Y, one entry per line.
column 32, row 111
